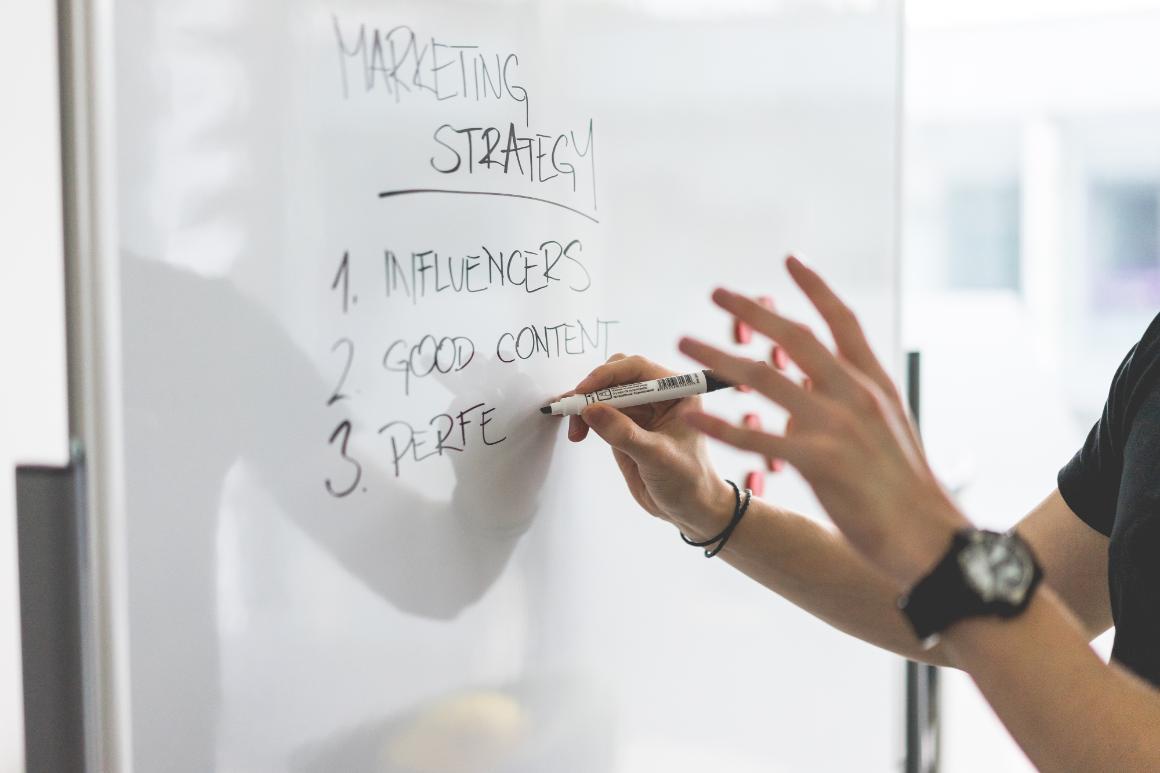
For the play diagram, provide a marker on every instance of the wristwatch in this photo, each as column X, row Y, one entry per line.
column 984, row 573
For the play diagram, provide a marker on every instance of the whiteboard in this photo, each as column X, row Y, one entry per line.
column 357, row 245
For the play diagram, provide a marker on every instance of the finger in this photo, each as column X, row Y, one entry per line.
column 744, row 438
column 847, row 331
column 622, row 433
column 621, row 370
column 843, row 323
column 740, row 370
column 618, row 369
column 599, row 369
column 799, row 341
column 577, row 429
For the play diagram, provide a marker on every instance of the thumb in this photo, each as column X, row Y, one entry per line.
column 620, row 432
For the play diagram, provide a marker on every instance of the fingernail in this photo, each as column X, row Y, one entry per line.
column 755, row 482
column 742, row 333
column 779, row 357
column 795, row 258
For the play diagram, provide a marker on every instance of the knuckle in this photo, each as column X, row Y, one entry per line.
column 864, row 400
column 621, row 437
column 768, row 446
column 804, row 335
column 615, row 357
column 889, row 401
column 893, row 395
column 751, row 439
column 637, row 361
column 845, row 315
column 754, row 371
column 816, row 453
column 723, row 430
column 842, row 423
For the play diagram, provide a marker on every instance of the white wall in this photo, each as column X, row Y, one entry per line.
column 33, row 423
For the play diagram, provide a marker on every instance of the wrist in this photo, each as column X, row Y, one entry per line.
column 920, row 549
column 710, row 511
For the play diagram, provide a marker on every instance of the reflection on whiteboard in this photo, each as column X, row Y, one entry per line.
column 361, row 245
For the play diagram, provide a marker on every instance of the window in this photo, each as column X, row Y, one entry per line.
column 1124, row 243
column 983, row 236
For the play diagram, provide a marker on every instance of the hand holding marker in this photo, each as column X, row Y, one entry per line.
column 640, row 393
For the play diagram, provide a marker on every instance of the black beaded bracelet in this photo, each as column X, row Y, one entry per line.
column 713, row 545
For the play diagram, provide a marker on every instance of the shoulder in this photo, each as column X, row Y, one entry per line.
column 1151, row 338
column 1138, row 376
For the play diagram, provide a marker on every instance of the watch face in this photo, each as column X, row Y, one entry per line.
column 997, row 566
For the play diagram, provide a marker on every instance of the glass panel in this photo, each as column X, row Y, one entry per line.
column 361, row 245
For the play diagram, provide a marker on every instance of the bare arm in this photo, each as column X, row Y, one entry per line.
column 801, row 560
column 818, row 570
column 1074, row 558
column 1068, row 710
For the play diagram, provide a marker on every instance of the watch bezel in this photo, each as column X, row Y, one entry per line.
column 976, row 561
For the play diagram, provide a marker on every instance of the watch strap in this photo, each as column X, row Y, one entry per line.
column 941, row 597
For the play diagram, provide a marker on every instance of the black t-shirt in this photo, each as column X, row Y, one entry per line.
column 1113, row 484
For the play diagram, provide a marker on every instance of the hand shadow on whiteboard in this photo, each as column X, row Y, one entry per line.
column 228, row 391
column 432, row 556
column 210, row 380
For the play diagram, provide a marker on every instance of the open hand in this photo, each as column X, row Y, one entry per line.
column 849, row 436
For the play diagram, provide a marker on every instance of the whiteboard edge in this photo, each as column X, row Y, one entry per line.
column 88, row 155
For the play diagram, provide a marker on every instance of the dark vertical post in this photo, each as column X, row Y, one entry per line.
column 922, row 737
column 48, row 542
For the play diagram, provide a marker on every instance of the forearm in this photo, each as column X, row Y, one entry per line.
column 1068, row 710
column 817, row 569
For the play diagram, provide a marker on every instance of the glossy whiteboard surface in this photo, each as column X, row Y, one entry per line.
column 353, row 542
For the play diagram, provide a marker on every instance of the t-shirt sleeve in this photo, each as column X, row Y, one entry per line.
column 1090, row 482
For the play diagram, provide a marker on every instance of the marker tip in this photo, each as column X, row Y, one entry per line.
column 547, row 410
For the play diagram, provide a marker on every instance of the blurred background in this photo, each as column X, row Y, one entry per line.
column 1031, row 254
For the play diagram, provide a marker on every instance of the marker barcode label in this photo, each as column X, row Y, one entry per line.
column 672, row 382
